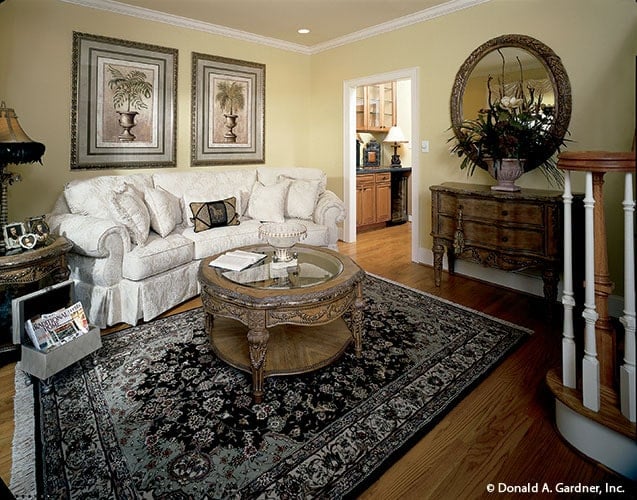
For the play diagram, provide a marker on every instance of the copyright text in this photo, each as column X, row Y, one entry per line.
column 595, row 489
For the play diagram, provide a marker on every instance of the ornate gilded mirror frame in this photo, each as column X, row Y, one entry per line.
column 554, row 68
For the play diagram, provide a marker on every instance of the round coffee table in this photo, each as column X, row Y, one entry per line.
column 279, row 320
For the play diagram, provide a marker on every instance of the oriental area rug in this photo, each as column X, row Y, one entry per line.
column 156, row 415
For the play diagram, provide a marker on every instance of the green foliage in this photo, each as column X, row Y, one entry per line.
column 129, row 90
column 230, row 96
column 517, row 126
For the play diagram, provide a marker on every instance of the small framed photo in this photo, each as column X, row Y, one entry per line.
column 28, row 241
column 12, row 233
column 38, row 227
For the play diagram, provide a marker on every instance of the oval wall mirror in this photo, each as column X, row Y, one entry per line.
column 542, row 70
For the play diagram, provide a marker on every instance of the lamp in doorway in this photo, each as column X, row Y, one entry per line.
column 16, row 147
column 395, row 136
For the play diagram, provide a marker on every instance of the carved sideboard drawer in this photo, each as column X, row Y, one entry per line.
column 496, row 236
column 493, row 210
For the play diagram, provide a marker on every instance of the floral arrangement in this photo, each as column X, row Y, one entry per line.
column 514, row 126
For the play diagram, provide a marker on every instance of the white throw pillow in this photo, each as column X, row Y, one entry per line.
column 128, row 208
column 301, row 199
column 267, row 203
column 164, row 209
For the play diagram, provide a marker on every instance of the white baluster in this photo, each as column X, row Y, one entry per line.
column 590, row 364
column 628, row 387
column 568, row 299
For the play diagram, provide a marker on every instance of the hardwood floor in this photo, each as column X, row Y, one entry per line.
column 501, row 432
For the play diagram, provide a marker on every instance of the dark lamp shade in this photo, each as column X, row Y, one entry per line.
column 15, row 145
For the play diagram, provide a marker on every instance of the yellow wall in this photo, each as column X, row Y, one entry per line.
column 596, row 40
column 36, row 49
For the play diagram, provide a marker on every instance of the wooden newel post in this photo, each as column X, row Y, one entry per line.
column 596, row 164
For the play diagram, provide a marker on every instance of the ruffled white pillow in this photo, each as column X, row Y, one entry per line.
column 302, row 198
column 267, row 203
column 128, row 208
column 164, row 209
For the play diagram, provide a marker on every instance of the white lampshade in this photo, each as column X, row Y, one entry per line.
column 395, row 134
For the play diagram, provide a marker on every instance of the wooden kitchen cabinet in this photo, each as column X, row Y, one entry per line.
column 382, row 190
column 365, row 200
column 505, row 230
column 376, row 107
column 373, row 199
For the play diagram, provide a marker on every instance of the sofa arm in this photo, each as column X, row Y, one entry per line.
column 99, row 246
column 329, row 210
column 91, row 237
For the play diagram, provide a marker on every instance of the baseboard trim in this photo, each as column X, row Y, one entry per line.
column 521, row 281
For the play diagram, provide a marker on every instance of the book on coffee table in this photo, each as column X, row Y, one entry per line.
column 237, row 260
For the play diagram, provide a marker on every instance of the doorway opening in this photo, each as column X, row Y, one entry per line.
column 408, row 77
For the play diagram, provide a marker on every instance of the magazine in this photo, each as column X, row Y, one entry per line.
column 39, row 336
column 237, row 260
column 56, row 328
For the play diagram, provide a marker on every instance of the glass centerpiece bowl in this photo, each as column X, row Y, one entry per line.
column 282, row 237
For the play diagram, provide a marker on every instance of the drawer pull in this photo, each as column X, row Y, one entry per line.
column 505, row 213
column 504, row 239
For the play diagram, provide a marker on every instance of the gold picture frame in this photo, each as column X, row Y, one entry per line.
column 124, row 111
column 228, row 111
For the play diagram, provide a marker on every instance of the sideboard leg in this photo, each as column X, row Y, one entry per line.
column 438, row 251
column 550, row 278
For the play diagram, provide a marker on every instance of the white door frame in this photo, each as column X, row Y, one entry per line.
column 349, row 151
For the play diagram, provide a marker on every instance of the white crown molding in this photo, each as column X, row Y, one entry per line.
column 402, row 22
column 215, row 29
column 183, row 22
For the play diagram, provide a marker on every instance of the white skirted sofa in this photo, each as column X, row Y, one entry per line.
column 137, row 246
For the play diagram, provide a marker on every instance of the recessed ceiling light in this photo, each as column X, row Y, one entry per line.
column 303, row 31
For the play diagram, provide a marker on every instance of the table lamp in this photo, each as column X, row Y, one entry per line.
column 396, row 136
column 16, row 147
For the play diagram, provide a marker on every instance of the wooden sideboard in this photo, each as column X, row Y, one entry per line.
column 511, row 231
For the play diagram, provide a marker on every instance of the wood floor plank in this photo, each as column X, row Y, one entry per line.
column 501, row 432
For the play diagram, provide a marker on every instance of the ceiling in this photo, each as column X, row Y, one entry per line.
column 275, row 22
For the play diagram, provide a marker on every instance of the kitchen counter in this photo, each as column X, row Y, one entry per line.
column 378, row 170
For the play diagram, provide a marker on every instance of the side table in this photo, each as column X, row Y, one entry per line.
column 24, row 272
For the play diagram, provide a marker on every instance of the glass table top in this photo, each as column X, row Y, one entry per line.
column 311, row 267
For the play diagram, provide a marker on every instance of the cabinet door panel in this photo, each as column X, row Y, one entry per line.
column 383, row 202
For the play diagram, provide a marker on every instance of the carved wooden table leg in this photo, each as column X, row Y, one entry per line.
column 210, row 322
column 258, row 345
column 357, row 320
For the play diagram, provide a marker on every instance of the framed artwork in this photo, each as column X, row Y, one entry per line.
column 228, row 111
column 12, row 233
column 38, row 227
column 123, row 105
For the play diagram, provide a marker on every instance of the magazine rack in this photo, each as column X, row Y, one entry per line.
column 44, row 364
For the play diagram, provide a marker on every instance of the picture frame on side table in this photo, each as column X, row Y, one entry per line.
column 38, row 227
column 228, row 111
column 12, row 233
column 123, row 110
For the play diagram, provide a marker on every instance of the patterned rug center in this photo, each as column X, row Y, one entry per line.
column 163, row 416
